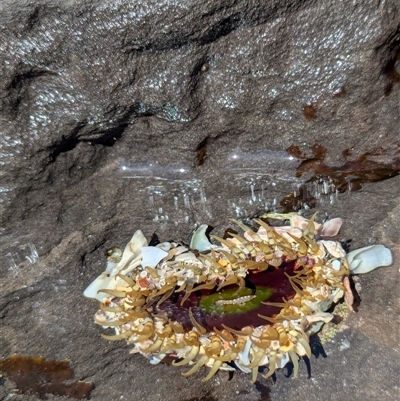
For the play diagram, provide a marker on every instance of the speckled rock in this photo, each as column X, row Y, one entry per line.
column 118, row 115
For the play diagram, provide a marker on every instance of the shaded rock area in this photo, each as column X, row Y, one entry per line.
column 119, row 115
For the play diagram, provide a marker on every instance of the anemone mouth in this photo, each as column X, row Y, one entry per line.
column 252, row 301
column 233, row 306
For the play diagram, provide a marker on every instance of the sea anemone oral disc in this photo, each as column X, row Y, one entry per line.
column 234, row 301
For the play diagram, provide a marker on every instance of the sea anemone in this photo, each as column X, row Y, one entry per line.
column 252, row 301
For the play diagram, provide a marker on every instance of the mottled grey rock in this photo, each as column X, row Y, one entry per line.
column 162, row 114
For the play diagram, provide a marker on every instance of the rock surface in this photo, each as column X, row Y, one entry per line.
column 119, row 115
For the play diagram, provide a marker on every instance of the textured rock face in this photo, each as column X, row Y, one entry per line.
column 160, row 114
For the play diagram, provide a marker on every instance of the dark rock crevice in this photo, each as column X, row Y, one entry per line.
column 220, row 21
column 390, row 53
column 17, row 89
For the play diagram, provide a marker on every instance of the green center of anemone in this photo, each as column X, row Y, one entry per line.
column 232, row 301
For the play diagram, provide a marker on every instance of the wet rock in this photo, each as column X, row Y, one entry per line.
column 160, row 114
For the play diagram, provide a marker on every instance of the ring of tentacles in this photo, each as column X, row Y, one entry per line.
column 252, row 301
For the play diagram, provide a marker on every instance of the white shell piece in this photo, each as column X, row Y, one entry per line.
column 320, row 317
column 126, row 256
column 331, row 227
column 180, row 249
column 131, row 250
column 225, row 366
column 336, row 264
column 285, row 230
column 101, row 282
column 334, row 248
column 137, row 241
column 185, row 257
column 110, row 266
column 365, row 259
column 105, row 280
column 337, row 294
column 243, row 368
column 156, row 359
column 131, row 265
column 320, row 305
column 280, row 363
column 244, row 358
column 199, row 239
column 151, row 256
column 165, row 246
column 299, row 221
column 315, row 328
